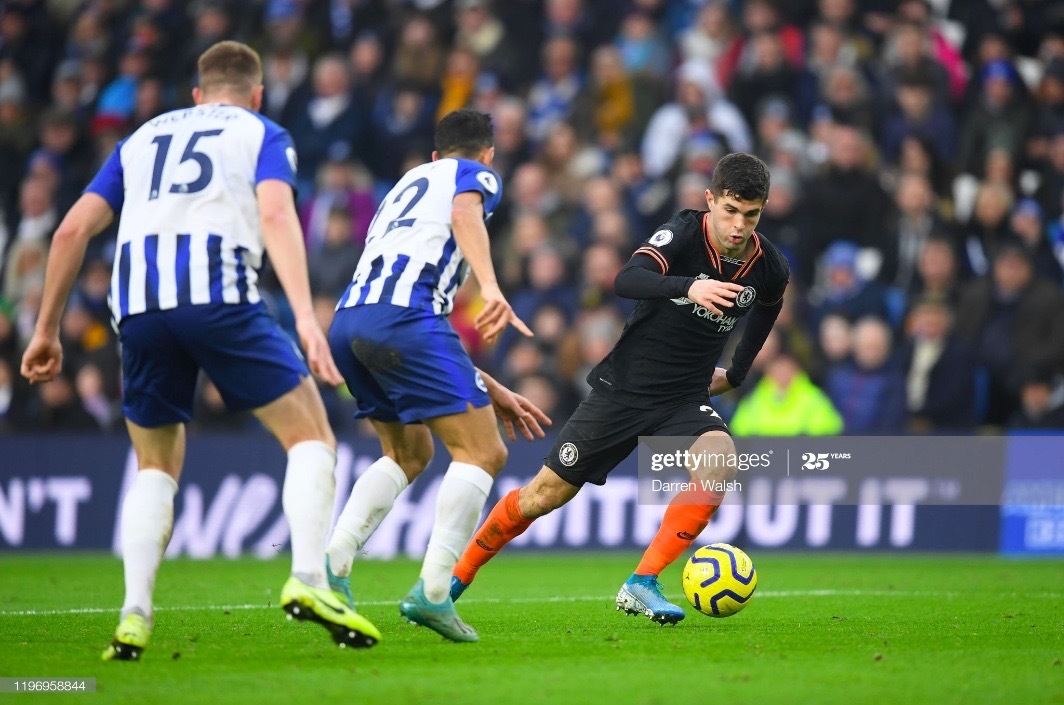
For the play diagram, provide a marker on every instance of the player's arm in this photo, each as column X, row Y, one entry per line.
column 283, row 237
column 759, row 324
column 467, row 222
column 515, row 410
column 645, row 277
column 43, row 358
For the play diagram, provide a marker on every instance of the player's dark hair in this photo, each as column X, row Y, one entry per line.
column 464, row 133
column 229, row 66
column 741, row 175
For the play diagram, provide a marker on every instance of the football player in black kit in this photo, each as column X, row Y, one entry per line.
column 695, row 277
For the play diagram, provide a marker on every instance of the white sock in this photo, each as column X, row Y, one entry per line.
column 462, row 495
column 146, row 523
column 309, row 489
column 371, row 500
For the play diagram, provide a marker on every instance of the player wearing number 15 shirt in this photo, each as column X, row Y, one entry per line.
column 202, row 193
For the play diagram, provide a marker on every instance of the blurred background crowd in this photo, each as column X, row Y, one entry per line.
column 916, row 147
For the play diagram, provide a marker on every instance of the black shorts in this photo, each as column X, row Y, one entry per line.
column 601, row 433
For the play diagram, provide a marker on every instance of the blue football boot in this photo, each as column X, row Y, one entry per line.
column 641, row 594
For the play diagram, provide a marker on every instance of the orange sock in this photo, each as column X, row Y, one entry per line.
column 504, row 524
column 684, row 520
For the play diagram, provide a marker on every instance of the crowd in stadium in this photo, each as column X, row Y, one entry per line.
column 916, row 149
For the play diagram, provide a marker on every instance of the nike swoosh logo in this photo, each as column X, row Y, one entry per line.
column 337, row 610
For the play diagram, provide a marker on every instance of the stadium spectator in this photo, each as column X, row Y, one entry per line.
column 327, row 124
column 785, row 402
column 285, row 68
column 834, row 342
column 918, row 114
column 481, row 32
column 341, row 184
column 711, row 33
column 988, row 229
column 916, row 221
column 605, row 109
column 459, row 81
column 1013, row 320
column 28, row 45
column 698, row 110
column 1051, row 187
column 767, row 75
column 1026, row 226
column 760, row 16
column 57, row 408
column 942, row 50
column 553, row 96
column 1000, row 119
column 846, row 290
column 868, row 389
column 9, row 398
column 908, row 53
column 331, row 264
column 366, row 59
column 94, row 400
column 846, row 201
column 1041, row 401
column 1049, row 110
column 643, row 53
column 940, row 373
column 937, row 273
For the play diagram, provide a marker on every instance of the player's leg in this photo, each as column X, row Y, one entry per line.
column 159, row 381
column 146, row 521
column 690, row 511
column 508, row 519
column 405, row 452
column 405, row 448
column 596, row 438
column 257, row 367
column 686, row 516
column 298, row 421
column 477, row 455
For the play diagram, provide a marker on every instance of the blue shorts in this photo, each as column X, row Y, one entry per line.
column 404, row 364
column 247, row 355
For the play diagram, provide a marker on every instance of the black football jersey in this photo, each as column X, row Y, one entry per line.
column 670, row 347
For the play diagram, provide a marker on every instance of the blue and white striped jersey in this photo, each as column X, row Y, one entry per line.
column 411, row 257
column 184, row 184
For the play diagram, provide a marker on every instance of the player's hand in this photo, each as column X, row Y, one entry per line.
column 719, row 384
column 319, row 356
column 714, row 294
column 517, row 412
column 43, row 359
column 496, row 315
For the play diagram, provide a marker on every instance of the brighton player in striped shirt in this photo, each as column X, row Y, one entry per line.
column 201, row 193
column 406, row 366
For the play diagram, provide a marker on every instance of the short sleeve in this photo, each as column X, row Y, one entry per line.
column 277, row 158
column 474, row 176
column 108, row 182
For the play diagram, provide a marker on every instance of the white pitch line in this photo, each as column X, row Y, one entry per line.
column 513, row 600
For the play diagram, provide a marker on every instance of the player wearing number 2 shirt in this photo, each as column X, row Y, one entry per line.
column 408, row 371
column 695, row 277
column 201, row 194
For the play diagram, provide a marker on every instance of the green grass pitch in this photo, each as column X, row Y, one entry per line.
column 821, row 629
